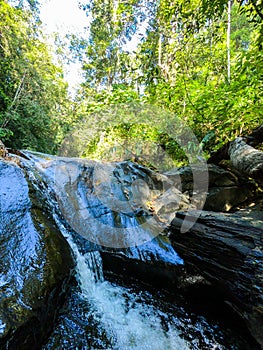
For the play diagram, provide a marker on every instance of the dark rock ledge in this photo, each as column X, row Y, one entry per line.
column 35, row 265
column 228, row 252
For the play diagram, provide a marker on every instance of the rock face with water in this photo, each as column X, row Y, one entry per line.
column 115, row 205
column 228, row 252
column 35, row 264
column 120, row 208
column 155, row 263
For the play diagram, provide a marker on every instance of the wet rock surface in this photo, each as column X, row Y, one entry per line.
column 228, row 252
column 115, row 206
column 122, row 210
column 35, row 265
column 225, row 189
column 154, row 263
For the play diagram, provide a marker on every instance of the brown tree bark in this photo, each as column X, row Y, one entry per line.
column 3, row 150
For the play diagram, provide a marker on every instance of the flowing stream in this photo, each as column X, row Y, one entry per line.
column 99, row 314
column 125, row 319
column 129, row 324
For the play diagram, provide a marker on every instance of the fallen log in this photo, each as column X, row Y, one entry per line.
column 253, row 139
column 246, row 159
column 228, row 252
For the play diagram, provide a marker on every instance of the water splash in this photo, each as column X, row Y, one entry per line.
column 128, row 323
column 127, row 320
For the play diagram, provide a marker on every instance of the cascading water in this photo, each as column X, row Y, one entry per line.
column 99, row 314
column 128, row 319
column 129, row 325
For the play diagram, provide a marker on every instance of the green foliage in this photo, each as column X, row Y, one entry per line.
column 113, row 23
column 31, row 86
column 180, row 65
column 141, row 143
column 179, row 68
column 5, row 133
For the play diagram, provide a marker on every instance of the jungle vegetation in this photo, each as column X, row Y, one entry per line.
column 197, row 61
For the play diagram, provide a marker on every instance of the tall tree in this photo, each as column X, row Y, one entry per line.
column 180, row 63
column 32, row 89
column 113, row 23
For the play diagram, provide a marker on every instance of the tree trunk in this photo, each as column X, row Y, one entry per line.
column 228, row 252
column 253, row 139
column 246, row 159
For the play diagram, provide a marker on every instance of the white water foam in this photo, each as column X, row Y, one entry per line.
column 129, row 324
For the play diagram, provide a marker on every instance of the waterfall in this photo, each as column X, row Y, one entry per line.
column 103, row 315
column 129, row 323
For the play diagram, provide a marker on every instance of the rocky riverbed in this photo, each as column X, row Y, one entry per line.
column 80, row 272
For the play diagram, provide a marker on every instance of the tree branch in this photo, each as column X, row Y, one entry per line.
column 260, row 14
column 18, row 92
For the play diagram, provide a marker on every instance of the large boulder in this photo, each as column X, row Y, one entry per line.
column 35, row 264
column 121, row 208
column 225, row 198
column 218, row 177
column 115, row 205
column 228, row 252
column 225, row 189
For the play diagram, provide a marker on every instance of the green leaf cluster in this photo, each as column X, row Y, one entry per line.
column 32, row 89
column 179, row 64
